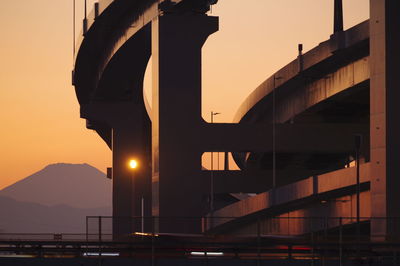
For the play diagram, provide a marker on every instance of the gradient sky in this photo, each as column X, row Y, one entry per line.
column 38, row 108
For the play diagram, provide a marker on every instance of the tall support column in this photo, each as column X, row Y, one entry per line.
column 177, row 40
column 124, row 207
column 131, row 140
column 385, row 126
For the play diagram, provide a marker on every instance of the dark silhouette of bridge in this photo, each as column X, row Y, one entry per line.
column 316, row 143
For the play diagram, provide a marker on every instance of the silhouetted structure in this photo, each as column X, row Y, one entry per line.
column 345, row 86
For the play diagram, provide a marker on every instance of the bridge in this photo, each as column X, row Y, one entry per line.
column 293, row 137
column 316, row 143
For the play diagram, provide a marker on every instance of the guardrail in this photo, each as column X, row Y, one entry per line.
column 328, row 238
column 101, row 227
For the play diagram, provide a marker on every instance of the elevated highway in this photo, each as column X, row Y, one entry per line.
column 327, row 87
column 295, row 130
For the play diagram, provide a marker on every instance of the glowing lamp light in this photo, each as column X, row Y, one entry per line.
column 133, row 164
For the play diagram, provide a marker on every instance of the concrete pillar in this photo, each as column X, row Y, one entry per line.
column 177, row 40
column 130, row 185
column 130, row 127
column 385, row 126
column 131, row 140
column 123, row 203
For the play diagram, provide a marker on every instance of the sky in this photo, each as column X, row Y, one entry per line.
column 39, row 112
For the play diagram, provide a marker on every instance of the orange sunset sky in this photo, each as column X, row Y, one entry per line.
column 39, row 112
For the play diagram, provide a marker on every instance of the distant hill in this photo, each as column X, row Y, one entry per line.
column 75, row 185
column 25, row 217
column 56, row 199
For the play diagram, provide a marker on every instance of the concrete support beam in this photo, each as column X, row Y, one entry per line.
column 291, row 138
column 261, row 181
column 177, row 40
column 385, row 126
column 246, row 181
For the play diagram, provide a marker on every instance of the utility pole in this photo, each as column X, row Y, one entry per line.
column 357, row 142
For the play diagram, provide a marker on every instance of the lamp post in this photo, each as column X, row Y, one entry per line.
column 134, row 164
column 357, row 142
column 212, row 170
column 73, row 30
column 274, row 137
column 85, row 21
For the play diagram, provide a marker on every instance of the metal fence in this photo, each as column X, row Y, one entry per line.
column 100, row 228
column 312, row 238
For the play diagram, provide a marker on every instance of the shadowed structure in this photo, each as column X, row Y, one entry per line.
column 293, row 137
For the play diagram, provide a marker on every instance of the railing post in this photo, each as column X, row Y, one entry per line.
column 258, row 241
column 312, row 242
column 152, row 241
column 100, row 239
column 358, row 140
column 290, row 252
column 142, row 212
column 87, row 233
column 99, row 229
column 340, row 241
column 325, row 240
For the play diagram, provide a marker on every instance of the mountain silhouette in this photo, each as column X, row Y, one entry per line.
column 26, row 217
column 75, row 185
column 56, row 199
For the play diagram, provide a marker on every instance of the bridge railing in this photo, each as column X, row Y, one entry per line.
column 319, row 228
column 309, row 238
column 100, row 228
column 42, row 237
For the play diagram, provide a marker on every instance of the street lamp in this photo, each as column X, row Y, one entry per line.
column 212, row 116
column 212, row 174
column 134, row 164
